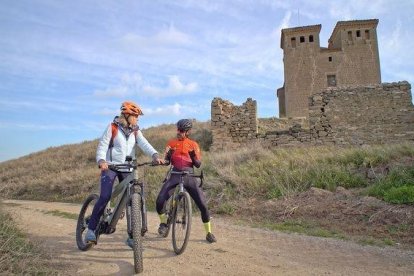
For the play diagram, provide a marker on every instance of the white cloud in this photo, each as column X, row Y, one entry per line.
column 172, row 36
column 107, row 111
column 38, row 127
column 132, row 79
column 394, row 41
column 285, row 21
column 175, row 87
column 164, row 39
column 175, row 109
column 357, row 9
column 38, row 105
column 130, row 84
column 118, row 92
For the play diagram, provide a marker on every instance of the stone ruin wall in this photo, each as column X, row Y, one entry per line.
column 356, row 115
column 233, row 125
column 362, row 115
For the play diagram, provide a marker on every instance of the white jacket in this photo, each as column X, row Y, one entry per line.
column 123, row 146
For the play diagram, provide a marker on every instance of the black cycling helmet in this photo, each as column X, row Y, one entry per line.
column 184, row 124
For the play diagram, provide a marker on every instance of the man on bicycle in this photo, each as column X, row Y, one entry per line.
column 114, row 150
column 183, row 153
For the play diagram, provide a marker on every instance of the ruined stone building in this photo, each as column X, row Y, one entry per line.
column 331, row 96
column 351, row 58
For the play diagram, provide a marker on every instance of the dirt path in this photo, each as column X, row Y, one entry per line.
column 239, row 250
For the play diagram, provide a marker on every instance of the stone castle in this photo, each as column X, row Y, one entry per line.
column 330, row 96
column 351, row 58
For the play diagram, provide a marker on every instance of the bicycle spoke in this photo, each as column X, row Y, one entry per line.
column 182, row 224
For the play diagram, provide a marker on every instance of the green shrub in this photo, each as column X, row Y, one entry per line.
column 397, row 187
column 204, row 138
column 332, row 177
column 274, row 192
column 400, row 195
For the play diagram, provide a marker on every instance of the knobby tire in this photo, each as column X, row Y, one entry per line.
column 82, row 226
column 136, row 217
column 181, row 221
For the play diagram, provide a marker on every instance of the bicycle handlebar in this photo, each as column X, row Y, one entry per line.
column 183, row 173
column 133, row 165
column 187, row 173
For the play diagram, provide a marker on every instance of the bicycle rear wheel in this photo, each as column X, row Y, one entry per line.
column 181, row 224
column 136, row 231
column 83, row 221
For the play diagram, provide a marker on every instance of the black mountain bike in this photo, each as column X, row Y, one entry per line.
column 179, row 212
column 129, row 196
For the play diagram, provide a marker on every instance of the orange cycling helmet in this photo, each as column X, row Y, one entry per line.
column 131, row 108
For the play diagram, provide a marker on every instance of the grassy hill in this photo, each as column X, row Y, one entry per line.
column 365, row 194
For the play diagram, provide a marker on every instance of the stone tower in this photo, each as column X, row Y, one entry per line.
column 351, row 58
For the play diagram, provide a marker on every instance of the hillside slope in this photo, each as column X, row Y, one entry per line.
column 363, row 194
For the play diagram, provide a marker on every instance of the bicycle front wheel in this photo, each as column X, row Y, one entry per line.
column 83, row 221
column 181, row 224
column 136, row 231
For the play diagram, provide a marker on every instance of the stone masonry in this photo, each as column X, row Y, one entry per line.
column 375, row 114
column 348, row 115
column 233, row 125
column 351, row 58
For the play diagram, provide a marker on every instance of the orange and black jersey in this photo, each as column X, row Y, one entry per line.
column 180, row 158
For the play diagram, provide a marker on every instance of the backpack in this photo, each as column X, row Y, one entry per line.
column 114, row 128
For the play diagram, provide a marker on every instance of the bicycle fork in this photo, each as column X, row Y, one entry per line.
column 137, row 188
column 144, row 228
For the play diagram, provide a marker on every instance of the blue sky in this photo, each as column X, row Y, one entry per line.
column 65, row 66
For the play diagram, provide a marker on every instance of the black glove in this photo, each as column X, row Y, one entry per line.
column 168, row 155
column 196, row 163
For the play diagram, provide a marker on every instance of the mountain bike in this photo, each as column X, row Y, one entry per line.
column 129, row 198
column 179, row 212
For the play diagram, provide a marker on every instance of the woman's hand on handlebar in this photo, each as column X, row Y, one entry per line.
column 103, row 165
column 158, row 161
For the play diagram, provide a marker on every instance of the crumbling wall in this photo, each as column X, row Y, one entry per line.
column 232, row 125
column 362, row 115
column 357, row 115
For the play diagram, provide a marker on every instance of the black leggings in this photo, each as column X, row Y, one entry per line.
column 191, row 184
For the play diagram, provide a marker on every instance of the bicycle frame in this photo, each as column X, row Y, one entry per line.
column 122, row 188
column 129, row 197
column 122, row 193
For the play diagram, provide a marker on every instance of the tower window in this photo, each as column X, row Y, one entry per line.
column 293, row 42
column 367, row 34
column 358, row 33
column 330, row 58
column 331, row 80
column 302, row 39
column 311, row 38
column 349, row 35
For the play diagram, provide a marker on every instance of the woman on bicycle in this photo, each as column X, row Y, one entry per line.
column 117, row 142
column 183, row 153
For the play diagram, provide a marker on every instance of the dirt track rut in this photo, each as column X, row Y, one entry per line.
column 240, row 250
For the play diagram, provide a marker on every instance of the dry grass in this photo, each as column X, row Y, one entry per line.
column 250, row 176
column 18, row 256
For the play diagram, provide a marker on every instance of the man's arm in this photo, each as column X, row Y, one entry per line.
column 195, row 155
